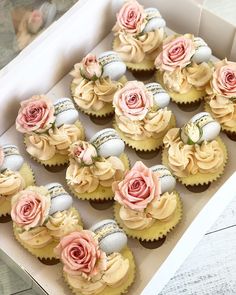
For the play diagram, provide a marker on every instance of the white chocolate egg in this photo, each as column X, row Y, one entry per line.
column 154, row 20
column 161, row 97
column 200, row 127
column 167, row 180
column 65, row 112
column 110, row 237
column 113, row 66
column 108, row 143
column 60, row 199
column 12, row 158
column 203, row 51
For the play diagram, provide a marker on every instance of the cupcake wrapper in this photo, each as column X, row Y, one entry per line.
column 58, row 159
column 158, row 230
column 191, row 96
column 46, row 252
column 106, row 111
column 200, row 178
column 101, row 193
column 228, row 130
column 148, row 144
column 120, row 289
column 28, row 175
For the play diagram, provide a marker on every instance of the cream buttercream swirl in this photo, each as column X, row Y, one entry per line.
column 38, row 146
column 172, row 137
column 209, row 157
column 11, row 182
column 94, row 95
column 62, row 223
column 108, row 170
column 63, row 137
column 37, row 237
column 135, row 49
column 81, row 179
column 162, row 208
column 224, row 110
column 135, row 219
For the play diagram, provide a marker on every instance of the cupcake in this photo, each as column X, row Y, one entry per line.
column 41, row 216
column 141, row 115
column 195, row 153
column 220, row 101
column 147, row 207
column 95, row 80
column 95, row 165
column 138, row 35
column 15, row 175
column 49, row 129
column 97, row 261
column 184, row 69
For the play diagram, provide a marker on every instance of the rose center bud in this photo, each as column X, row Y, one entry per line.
column 231, row 78
column 75, row 252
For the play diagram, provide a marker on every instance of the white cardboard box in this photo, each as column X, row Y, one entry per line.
column 40, row 67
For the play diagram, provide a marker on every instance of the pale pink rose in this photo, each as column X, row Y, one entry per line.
column 30, row 207
column 131, row 17
column 35, row 114
column 224, row 78
column 80, row 254
column 83, row 152
column 1, row 156
column 35, row 21
column 133, row 101
column 138, row 188
column 176, row 53
column 90, row 67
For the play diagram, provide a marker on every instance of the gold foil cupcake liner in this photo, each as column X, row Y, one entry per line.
column 200, row 178
column 58, row 159
column 158, row 230
column 122, row 289
column 148, row 144
column 101, row 193
column 28, row 175
column 106, row 111
column 46, row 252
column 192, row 96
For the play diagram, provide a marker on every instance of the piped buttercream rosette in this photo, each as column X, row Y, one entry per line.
column 147, row 206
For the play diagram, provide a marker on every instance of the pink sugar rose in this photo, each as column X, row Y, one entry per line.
column 90, row 67
column 83, row 152
column 139, row 187
column 35, row 115
column 224, row 78
column 131, row 17
column 1, row 156
column 30, row 207
column 80, row 254
column 35, row 21
column 133, row 101
column 176, row 53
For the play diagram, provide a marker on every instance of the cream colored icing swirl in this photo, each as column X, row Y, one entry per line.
column 164, row 207
column 108, row 170
column 224, row 110
column 117, row 270
column 37, row 237
column 171, row 137
column 11, row 182
column 209, row 157
column 137, row 48
column 62, row 223
column 63, row 137
column 81, row 178
column 157, row 122
column 38, row 146
column 94, row 95
column 135, row 219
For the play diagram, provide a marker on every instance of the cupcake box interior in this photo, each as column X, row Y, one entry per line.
column 44, row 69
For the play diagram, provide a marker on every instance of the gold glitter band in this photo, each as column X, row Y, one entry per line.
column 105, row 230
column 63, row 106
column 10, row 150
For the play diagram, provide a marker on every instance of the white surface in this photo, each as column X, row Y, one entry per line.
column 148, row 261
